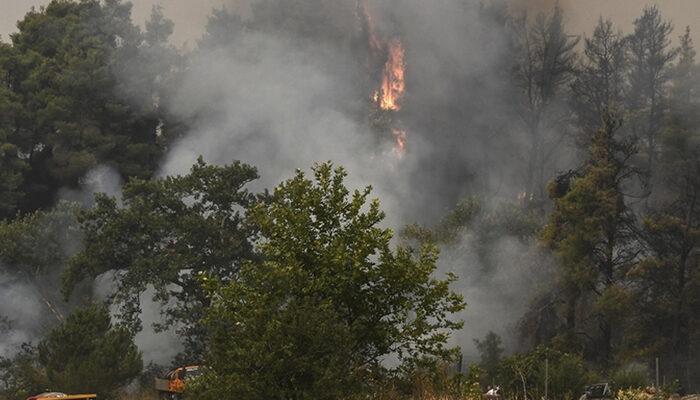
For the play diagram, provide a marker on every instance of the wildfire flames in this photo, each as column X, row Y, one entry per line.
column 392, row 87
column 393, row 84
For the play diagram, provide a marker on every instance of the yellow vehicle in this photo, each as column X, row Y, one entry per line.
column 173, row 384
column 62, row 396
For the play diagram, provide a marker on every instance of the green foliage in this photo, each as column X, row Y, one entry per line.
column 524, row 375
column 87, row 354
column 451, row 225
column 488, row 225
column 39, row 242
column 591, row 231
column 631, row 377
column 598, row 89
column 12, row 166
column 668, row 279
column 166, row 234
column 650, row 58
column 490, row 351
column 69, row 109
column 20, row 375
column 328, row 301
column 641, row 394
column 34, row 250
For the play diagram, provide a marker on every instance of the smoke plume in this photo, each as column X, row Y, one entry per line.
column 284, row 99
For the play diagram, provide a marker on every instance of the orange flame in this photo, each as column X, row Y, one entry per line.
column 393, row 83
column 391, row 90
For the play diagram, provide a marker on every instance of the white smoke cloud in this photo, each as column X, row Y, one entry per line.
column 100, row 179
column 496, row 298
column 24, row 310
column 157, row 347
column 283, row 103
column 280, row 107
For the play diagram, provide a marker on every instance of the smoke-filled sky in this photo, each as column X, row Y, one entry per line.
column 190, row 15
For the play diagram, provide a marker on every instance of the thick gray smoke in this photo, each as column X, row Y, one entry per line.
column 31, row 303
column 497, row 299
column 290, row 89
column 275, row 106
column 23, row 314
column 280, row 100
column 100, row 179
column 281, row 103
column 157, row 347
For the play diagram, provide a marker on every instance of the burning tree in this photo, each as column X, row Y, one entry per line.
column 386, row 98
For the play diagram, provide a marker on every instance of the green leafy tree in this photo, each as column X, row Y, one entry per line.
column 34, row 250
column 21, row 376
column 327, row 303
column 87, row 354
column 491, row 351
column 166, row 233
column 591, row 232
column 526, row 375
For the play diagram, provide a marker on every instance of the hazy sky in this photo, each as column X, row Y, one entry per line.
column 191, row 15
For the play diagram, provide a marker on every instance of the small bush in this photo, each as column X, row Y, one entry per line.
column 631, row 377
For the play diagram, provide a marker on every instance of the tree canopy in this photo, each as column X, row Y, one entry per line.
column 88, row 354
column 328, row 301
column 64, row 108
column 166, row 234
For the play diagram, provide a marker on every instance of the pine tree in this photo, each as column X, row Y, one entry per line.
column 591, row 232
column 599, row 86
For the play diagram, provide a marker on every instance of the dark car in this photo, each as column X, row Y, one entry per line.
column 598, row 391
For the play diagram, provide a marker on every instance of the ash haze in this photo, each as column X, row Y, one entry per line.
column 190, row 16
column 282, row 101
column 245, row 106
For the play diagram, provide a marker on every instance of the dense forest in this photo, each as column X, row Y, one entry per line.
column 342, row 199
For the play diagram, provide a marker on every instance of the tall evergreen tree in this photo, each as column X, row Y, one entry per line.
column 668, row 279
column 599, row 86
column 74, row 111
column 87, row 354
column 650, row 61
column 591, row 232
column 545, row 65
column 12, row 165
